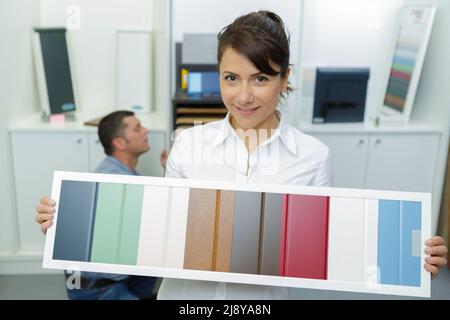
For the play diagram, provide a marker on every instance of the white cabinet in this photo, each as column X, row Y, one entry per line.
column 389, row 161
column 36, row 154
column 402, row 162
column 348, row 158
column 35, row 157
column 149, row 163
column 96, row 152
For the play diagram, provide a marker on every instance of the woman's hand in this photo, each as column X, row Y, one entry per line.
column 44, row 213
column 163, row 158
column 438, row 252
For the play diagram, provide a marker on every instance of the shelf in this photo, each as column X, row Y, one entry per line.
column 182, row 98
column 198, row 67
column 352, row 128
column 190, row 109
column 200, row 111
column 193, row 120
column 153, row 121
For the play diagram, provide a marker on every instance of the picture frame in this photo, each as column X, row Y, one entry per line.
column 53, row 53
column 409, row 49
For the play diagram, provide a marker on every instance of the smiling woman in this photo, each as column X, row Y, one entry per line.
column 249, row 95
column 254, row 65
column 253, row 143
column 253, row 57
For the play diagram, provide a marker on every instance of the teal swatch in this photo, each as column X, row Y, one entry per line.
column 107, row 221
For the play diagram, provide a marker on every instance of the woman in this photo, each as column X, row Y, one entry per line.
column 253, row 143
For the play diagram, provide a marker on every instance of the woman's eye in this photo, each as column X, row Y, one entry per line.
column 230, row 78
column 261, row 79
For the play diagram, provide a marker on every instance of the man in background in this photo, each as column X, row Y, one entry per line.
column 123, row 139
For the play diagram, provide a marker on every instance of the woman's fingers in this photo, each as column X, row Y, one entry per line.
column 44, row 213
column 435, row 241
column 436, row 261
column 47, row 201
column 432, row 269
column 437, row 251
column 46, row 225
column 42, row 208
column 43, row 217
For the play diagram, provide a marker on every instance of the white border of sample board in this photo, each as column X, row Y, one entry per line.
column 425, row 198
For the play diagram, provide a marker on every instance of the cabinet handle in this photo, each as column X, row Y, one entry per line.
column 97, row 141
column 377, row 142
column 361, row 142
column 80, row 140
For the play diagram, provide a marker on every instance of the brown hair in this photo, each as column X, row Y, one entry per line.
column 110, row 127
column 261, row 37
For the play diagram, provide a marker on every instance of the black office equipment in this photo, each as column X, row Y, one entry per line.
column 340, row 94
column 203, row 84
column 196, row 100
column 53, row 71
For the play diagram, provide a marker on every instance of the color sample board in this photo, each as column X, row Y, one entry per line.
column 405, row 56
column 412, row 37
column 329, row 238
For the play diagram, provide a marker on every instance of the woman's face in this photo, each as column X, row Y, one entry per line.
column 250, row 95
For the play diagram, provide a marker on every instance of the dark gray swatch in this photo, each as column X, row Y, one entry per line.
column 75, row 220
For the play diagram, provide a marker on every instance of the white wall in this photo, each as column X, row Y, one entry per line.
column 95, row 41
column 350, row 33
column 95, row 55
column 162, row 39
column 18, row 98
column 206, row 16
column 432, row 102
column 95, row 63
column 361, row 33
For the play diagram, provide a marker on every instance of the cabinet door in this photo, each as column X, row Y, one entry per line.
column 96, row 152
column 348, row 158
column 35, row 157
column 149, row 163
column 402, row 162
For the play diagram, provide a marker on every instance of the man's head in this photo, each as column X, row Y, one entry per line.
column 121, row 132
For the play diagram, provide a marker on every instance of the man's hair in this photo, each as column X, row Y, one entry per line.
column 110, row 127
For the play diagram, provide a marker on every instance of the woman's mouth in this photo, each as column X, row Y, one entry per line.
column 246, row 111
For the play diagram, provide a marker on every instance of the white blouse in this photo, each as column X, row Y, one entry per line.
column 215, row 152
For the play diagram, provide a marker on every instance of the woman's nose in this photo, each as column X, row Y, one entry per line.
column 246, row 94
